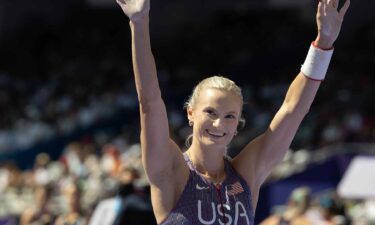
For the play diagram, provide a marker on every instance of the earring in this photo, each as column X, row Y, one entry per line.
column 191, row 123
column 235, row 133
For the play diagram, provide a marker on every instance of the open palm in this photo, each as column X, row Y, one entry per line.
column 135, row 9
column 329, row 18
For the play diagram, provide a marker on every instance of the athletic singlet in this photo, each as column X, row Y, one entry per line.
column 204, row 203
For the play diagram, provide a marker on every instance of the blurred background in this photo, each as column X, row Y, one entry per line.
column 69, row 126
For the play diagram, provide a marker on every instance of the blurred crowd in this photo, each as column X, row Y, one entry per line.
column 108, row 186
column 325, row 208
column 60, row 79
column 81, row 187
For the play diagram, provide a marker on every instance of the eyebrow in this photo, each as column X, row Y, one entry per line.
column 232, row 112
column 212, row 108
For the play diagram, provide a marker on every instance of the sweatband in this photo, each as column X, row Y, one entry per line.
column 316, row 63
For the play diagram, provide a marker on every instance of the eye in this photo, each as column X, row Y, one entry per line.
column 230, row 116
column 209, row 111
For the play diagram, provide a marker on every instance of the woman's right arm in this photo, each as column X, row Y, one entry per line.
column 162, row 158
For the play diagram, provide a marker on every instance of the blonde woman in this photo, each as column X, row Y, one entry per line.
column 202, row 186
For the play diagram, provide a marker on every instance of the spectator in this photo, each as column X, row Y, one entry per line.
column 39, row 213
column 294, row 214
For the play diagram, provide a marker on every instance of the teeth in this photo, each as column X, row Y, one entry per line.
column 216, row 134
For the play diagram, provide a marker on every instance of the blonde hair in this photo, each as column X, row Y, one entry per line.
column 217, row 82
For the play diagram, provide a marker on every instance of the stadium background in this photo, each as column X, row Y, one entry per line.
column 66, row 89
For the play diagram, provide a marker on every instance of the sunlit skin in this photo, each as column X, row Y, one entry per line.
column 165, row 166
column 215, row 117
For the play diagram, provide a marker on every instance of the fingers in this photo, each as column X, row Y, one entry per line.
column 121, row 1
column 321, row 7
column 334, row 3
column 344, row 8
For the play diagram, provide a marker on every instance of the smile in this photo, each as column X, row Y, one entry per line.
column 217, row 135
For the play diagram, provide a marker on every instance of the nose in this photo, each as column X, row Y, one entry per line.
column 217, row 123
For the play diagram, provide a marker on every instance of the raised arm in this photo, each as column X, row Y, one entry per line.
column 259, row 157
column 159, row 153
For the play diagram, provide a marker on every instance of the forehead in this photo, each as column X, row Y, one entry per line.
column 219, row 99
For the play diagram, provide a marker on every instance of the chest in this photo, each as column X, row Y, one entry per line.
column 225, row 204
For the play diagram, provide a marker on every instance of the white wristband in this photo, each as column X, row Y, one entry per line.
column 316, row 63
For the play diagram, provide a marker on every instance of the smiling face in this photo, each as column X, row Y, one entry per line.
column 215, row 116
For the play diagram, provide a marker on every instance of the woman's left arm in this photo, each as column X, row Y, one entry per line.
column 256, row 161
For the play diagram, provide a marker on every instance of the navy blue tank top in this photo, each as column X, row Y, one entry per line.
column 203, row 202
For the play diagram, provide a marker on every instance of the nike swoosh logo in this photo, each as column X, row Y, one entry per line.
column 201, row 188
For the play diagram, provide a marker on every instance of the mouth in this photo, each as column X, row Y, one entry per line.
column 216, row 134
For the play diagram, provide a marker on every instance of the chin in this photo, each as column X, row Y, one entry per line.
column 217, row 144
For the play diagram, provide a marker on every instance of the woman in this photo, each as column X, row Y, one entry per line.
column 201, row 186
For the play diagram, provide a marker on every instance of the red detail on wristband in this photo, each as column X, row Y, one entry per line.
column 311, row 78
column 324, row 49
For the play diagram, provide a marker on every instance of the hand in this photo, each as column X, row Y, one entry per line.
column 329, row 20
column 135, row 9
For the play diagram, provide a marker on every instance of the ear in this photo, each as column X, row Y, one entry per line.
column 241, row 123
column 189, row 111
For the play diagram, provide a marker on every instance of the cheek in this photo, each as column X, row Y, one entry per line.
column 201, row 125
column 233, row 125
column 203, row 121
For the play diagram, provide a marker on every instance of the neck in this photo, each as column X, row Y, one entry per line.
column 209, row 163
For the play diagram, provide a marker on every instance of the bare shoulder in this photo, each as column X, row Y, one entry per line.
column 168, row 187
column 247, row 163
